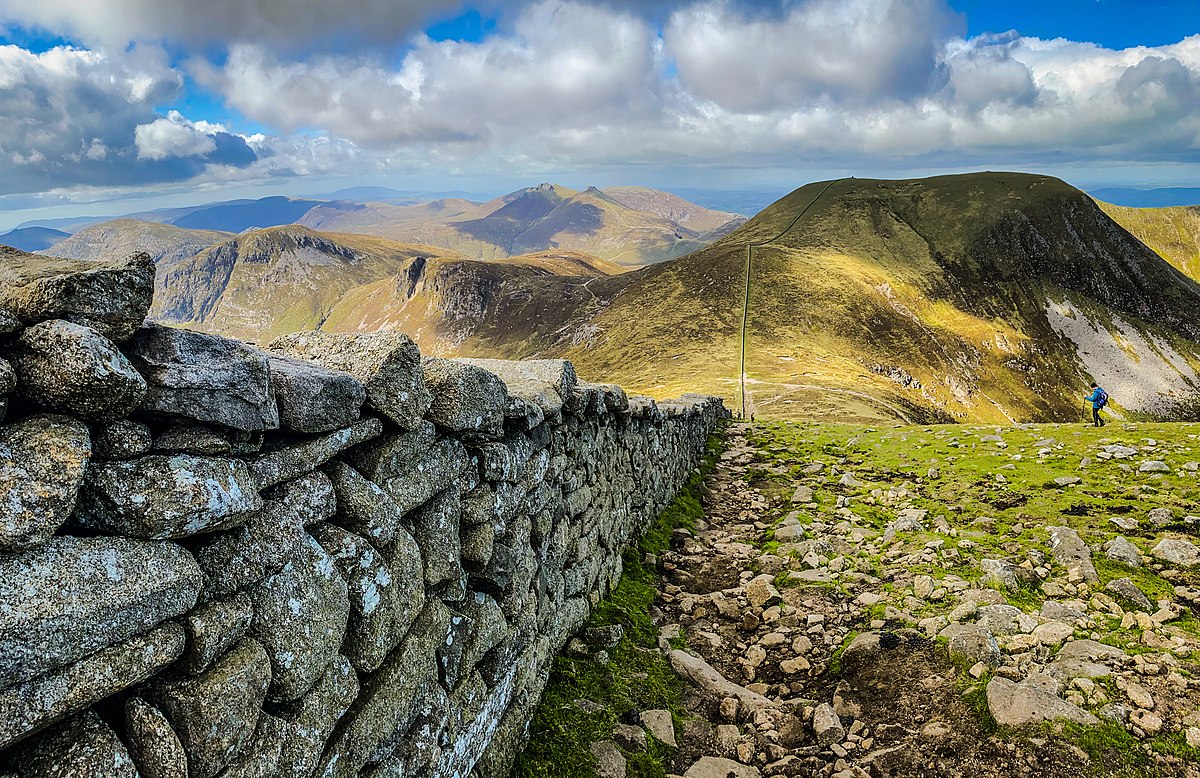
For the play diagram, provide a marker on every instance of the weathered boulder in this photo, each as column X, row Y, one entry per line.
column 204, row 377
column 313, row 398
column 660, row 724
column 437, row 524
column 291, row 460
column 374, row 605
column 761, row 591
column 388, row 364
column 440, row 467
column 215, row 714
column 719, row 767
column 110, row 297
column 310, row 496
column 1177, row 552
column 1127, row 592
column 999, row 573
column 827, row 726
column 1086, row 659
column 67, row 367
column 364, row 508
column 74, row 596
column 1120, row 549
column 212, row 629
column 394, row 453
column 153, row 744
column 610, row 762
column 30, row 705
column 309, row 721
column 709, row 680
column 388, row 702
column 544, row 382
column 971, row 643
column 8, row 382
column 122, row 439
column 81, row 747
column 300, row 617
column 42, row 464
column 466, row 398
column 262, row 546
column 1016, row 705
column 160, row 497
column 1069, row 550
column 260, row 758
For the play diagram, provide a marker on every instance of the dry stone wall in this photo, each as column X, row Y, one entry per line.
column 329, row 558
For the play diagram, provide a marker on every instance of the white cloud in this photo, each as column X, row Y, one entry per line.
column 849, row 50
column 74, row 117
column 563, row 64
column 290, row 24
column 173, row 136
column 573, row 84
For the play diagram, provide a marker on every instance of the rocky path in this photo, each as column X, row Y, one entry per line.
column 814, row 643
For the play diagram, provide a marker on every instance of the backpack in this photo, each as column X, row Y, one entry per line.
column 1101, row 397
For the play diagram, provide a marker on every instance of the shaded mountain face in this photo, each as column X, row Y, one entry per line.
column 631, row 226
column 32, row 238
column 264, row 283
column 1174, row 233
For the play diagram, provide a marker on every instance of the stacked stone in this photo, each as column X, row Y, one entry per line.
column 331, row 557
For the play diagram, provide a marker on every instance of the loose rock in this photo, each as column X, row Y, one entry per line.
column 74, row 369
column 206, row 378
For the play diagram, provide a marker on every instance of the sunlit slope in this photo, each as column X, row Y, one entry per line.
column 943, row 298
column 1172, row 232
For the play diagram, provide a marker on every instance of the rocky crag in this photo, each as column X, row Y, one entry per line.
column 328, row 558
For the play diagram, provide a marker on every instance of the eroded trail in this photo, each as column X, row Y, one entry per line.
column 798, row 626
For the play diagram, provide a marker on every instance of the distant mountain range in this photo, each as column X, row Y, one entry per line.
column 631, row 226
column 991, row 297
column 32, row 238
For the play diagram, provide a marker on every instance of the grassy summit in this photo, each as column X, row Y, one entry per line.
column 986, row 297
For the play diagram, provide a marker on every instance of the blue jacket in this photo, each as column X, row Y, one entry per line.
column 1094, row 397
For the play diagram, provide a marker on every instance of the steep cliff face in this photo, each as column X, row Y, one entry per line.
column 267, row 282
column 332, row 557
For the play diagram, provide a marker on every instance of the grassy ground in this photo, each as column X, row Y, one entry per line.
column 996, row 488
column 637, row 677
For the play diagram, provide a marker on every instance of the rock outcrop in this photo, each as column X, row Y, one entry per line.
column 332, row 558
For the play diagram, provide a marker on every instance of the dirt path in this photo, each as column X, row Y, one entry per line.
column 760, row 639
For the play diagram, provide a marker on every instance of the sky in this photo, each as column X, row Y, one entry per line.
column 110, row 106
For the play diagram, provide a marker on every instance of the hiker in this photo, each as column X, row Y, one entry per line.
column 1098, row 398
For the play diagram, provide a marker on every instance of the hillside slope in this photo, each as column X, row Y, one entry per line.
column 633, row 227
column 986, row 297
column 265, row 283
column 989, row 297
column 1172, row 232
